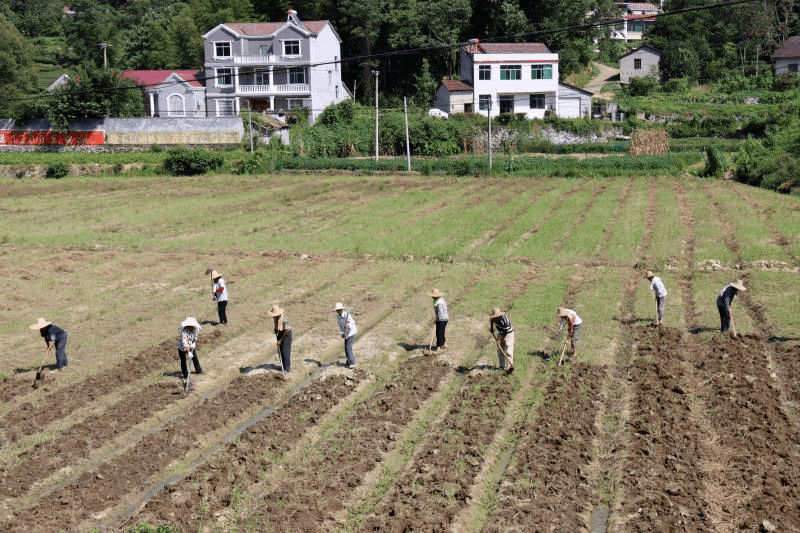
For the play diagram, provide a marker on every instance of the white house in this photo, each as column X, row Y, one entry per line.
column 274, row 66
column 637, row 18
column 643, row 61
column 573, row 102
column 787, row 57
column 510, row 77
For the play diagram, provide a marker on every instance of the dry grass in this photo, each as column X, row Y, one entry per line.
column 649, row 142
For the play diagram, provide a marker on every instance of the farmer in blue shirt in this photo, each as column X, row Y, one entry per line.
column 54, row 337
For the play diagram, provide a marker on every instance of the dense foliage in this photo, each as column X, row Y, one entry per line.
column 184, row 162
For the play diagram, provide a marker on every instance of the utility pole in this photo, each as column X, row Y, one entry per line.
column 103, row 47
column 376, row 73
column 408, row 144
column 489, row 108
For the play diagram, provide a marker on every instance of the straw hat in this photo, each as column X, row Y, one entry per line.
column 739, row 284
column 215, row 274
column 191, row 322
column 649, row 274
column 42, row 323
column 435, row 293
column 275, row 310
column 338, row 306
column 496, row 312
column 562, row 312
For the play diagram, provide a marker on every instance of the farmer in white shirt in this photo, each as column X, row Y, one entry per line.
column 220, row 295
column 661, row 295
column 347, row 329
column 440, row 318
column 574, row 327
column 187, row 345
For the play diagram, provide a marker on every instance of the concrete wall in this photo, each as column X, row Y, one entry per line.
column 127, row 131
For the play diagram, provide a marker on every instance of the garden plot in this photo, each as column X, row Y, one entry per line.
column 113, row 441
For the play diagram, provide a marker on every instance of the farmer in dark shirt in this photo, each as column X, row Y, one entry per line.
column 724, row 301
column 56, row 337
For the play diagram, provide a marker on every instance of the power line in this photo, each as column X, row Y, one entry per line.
column 408, row 51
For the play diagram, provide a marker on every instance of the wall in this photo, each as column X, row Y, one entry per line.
column 127, row 131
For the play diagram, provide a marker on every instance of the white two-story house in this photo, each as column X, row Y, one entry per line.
column 510, row 77
column 273, row 66
column 637, row 18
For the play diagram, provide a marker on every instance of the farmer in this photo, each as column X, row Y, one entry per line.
column 283, row 336
column 347, row 329
column 220, row 295
column 574, row 331
column 187, row 345
column 504, row 338
column 439, row 318
column 661, row 295
column 56, row 337
column 724, row 301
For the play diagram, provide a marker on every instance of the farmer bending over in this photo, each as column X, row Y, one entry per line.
column 504, row 338
column 56, row 337
column 574, row 328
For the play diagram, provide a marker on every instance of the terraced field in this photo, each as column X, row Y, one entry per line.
column 676, row 428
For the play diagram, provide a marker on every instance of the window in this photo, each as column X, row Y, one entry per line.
column 510, row 72
column 792, row 67
column 484, row 101
column 291, row 48
column 484, row 72
column 297, row 75
column 295, row 103
column 506, row 103
column 541, row 72
column 537, row 101
column 261, row 76
column 222, row 50
column 224, row 77
column 175, row 106
column 226, row 108
column 637, row 64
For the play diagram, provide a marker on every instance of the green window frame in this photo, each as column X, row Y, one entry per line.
column 541, row 72
column 510, row 72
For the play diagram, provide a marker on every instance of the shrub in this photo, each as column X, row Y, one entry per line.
column 642, row 86
column 57, row 171
column 716, row 165
column 184, row 162
column 253, row 163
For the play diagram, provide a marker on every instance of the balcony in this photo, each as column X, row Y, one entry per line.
column 274, row 90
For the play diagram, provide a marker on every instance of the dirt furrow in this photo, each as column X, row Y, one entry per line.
column 93, row 491
column 687, row 276
column 212, row 489
column 546, row 487
column 780, row 239
column 578, row 218
column 308, row 494
column 435, row 488
column 545, row 217
column 30, row 418
column 745, row 408
column 662, row 479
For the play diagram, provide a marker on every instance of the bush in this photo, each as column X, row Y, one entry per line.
column 57, row 171
column 253, row 163
column 642, row 86
column 184, row 162
column 716, row 165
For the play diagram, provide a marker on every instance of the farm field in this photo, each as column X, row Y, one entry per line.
column 676, row 428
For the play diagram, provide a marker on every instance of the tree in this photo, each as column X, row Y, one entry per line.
column 93, row 93
column 16, row 68
column 425, row 86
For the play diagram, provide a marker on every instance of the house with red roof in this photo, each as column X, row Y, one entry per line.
column 637, row 18
column 787, row 57
column 518, row 78
column 170, row 93
column 273, row 67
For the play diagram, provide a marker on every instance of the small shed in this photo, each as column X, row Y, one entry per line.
column 787, row 57
column 454, row 96
column 643, row 61
column 573, row 102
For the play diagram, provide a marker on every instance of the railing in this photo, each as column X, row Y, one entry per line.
column 257, row 60
column 289, row 88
